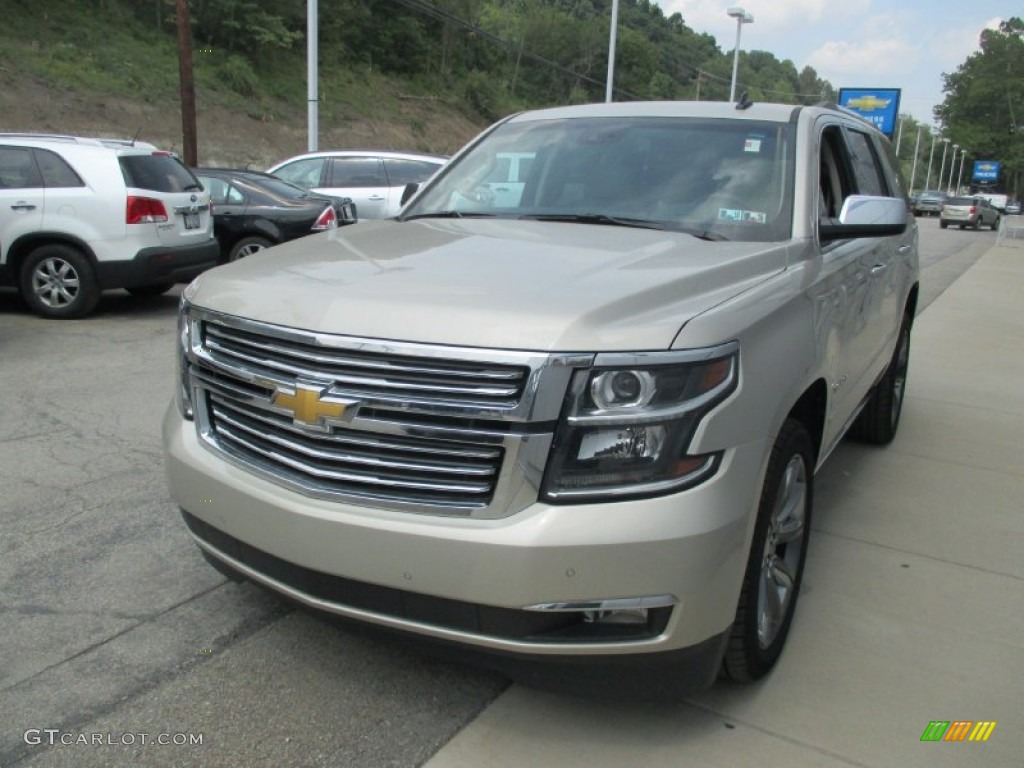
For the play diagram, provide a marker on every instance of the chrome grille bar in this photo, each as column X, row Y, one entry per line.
column 391, row 377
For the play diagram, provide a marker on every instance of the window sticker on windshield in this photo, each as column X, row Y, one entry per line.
column 752, row 144
column 739, row 215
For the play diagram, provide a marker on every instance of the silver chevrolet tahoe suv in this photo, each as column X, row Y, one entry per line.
column 79, row 215
column 571, row 429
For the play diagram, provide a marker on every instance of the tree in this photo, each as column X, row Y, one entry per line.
column 983, row 109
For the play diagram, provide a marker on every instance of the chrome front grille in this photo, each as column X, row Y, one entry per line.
column 403, row 426
column 398, row 378
column 358, row 464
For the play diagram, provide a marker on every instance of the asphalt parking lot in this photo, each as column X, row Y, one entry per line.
column 115, row 625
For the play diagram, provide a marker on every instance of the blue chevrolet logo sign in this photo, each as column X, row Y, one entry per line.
column 986, row 170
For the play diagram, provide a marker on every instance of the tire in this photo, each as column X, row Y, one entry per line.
column 943, row 224
column 776, row 562
column 977, row 224
column 150, row 290
column 995, row 224
column 247, row 246
column 880, row 419
column 58, row 282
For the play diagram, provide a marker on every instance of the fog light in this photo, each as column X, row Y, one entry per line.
column 629, row 616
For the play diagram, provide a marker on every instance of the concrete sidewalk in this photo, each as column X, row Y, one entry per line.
column 913, row 601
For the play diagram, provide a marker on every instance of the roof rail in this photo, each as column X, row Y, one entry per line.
column 94, row 141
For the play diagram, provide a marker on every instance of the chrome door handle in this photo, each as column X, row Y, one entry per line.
column 904, row 248
column 375, row 198
column 22, row 206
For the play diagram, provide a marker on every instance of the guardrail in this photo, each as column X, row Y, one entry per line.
column 1012, row 228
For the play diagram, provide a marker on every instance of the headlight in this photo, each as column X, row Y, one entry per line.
column 628, row 422
column 183, row 391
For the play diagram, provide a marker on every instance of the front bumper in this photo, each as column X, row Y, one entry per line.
column 470, row 581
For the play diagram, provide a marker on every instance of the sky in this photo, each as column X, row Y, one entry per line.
column 906, row 44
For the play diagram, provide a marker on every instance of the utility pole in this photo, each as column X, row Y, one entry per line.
column 188, row 90
column 700, row 73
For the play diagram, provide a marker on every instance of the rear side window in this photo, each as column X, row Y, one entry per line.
column 157, row 173
column 56, row 172
column 401, row 172
column 306, row 172
column 357, row 172
column 17, row 169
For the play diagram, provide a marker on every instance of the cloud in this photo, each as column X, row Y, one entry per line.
column 870, row 57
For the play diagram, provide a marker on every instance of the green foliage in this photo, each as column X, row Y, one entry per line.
column 984, row 105
column 238, row 74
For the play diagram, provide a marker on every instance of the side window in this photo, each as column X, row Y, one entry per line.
column 870, row 180
column 56, row 172
column 306, row 173
column 17, row 169
column 357, row 172
column 402, row 172
column 216, row 187
column 235, row 196
column 834, row 173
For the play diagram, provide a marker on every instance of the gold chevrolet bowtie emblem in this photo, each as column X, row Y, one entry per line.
column 307, row 405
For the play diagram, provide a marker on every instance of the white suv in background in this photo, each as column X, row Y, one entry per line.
column 81, row 215
column 374, row 179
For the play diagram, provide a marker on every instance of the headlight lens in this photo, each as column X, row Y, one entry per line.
column 183, row 392
column 626, row 429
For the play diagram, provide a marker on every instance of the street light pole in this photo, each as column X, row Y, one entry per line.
column 952, row 164
column 960, row 175
column 942, row 168
column 913, row 168
column 931, row 154
column 611, row 51
column 742, row 17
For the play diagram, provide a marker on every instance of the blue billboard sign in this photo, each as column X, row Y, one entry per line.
column 985, row 170
column 879, row 106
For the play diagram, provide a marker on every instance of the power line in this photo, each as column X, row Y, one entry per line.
column 441, row 14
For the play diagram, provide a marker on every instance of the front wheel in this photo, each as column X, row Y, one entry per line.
column 58, row 282
column 943, row 224
column 775, row 566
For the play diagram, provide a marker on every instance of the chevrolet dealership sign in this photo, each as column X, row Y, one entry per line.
column 880, row 106
column 985, row 170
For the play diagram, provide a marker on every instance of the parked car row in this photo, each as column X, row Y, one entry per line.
column 253, row 210
column 81, row 215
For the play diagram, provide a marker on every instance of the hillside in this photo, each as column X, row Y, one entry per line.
column 62, row 72
column 228, row 134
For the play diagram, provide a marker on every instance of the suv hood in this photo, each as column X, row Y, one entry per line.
column 530, row 285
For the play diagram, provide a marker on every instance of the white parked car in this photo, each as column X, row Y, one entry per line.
column 373, row 179
column 79, row 215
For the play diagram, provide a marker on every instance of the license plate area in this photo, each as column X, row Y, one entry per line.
column 191, row 220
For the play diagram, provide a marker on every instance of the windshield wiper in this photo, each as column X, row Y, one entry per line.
column 596, row 218
column 621, row 221
column 452, row 214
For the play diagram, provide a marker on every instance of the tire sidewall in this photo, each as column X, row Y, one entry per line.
column 261, row 241
column 755, row 661
column 88, row 289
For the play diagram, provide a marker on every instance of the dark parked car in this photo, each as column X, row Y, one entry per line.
column 253, row 210
column 974, row 212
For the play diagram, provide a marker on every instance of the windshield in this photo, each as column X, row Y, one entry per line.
column 722, row 179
